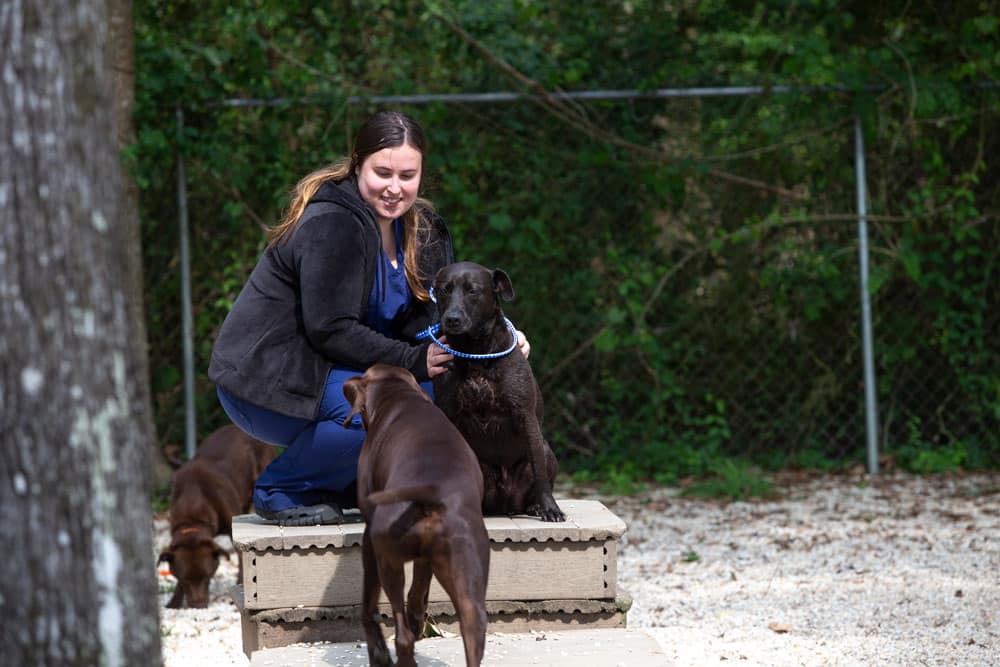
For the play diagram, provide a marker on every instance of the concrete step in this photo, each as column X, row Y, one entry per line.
column 320, row 566
column 271, row 628
column 575, row 648
column 304, row 583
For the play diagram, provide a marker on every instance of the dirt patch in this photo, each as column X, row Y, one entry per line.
column 838, row 571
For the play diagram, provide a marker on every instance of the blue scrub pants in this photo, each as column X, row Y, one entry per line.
column 320, row 461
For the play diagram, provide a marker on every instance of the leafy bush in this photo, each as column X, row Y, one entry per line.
column 686, row 268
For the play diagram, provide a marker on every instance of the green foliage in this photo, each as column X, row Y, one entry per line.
column 732, row 480
column 925, row 458
column 161, row 499
column 686, row 268
column 622, row 481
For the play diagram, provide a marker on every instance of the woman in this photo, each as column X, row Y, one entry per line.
column 342, row 285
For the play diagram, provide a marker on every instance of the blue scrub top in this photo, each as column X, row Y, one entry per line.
column 390, row 294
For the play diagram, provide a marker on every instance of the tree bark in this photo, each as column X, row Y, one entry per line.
column 77, row 585
column 121, row 56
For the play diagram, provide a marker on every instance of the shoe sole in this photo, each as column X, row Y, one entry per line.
column 312, row 515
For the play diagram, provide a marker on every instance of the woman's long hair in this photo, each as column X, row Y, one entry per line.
column 385, row 129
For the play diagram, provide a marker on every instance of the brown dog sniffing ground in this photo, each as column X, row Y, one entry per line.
column 420, row 492
column 207, row 491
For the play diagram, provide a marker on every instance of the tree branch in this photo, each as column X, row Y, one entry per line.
column 558, row 108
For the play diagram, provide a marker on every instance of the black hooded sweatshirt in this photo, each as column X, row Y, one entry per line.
column 303, row 308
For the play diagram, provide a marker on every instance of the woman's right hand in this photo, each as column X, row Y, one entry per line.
column 437, row 359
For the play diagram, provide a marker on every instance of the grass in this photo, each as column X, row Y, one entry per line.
column 728, row 479
column 732, row 480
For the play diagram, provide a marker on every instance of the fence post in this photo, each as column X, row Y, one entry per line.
column 188, row 327
column 871, row 406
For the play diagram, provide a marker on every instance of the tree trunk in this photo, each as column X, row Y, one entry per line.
column 78, row 586
column 121, row 57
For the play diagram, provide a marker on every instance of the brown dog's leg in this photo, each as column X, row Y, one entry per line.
column 393, row 583
column 176, row 600
column 472, row 619
column 463, row 577
column 378, row 652
column 416, row 599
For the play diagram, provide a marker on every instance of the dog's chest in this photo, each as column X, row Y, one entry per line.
column 480, row 407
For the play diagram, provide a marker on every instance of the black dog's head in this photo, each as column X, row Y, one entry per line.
column 468, row 298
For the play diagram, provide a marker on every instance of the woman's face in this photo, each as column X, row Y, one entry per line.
column 389, row 180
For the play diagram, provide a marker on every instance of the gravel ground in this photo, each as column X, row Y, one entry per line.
column 839, row 571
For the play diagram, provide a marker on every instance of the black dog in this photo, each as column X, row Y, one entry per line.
column 494, row 401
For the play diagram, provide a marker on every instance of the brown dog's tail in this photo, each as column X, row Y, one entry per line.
column 427, row 494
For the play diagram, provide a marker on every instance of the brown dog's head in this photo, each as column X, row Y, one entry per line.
column 468, row 298
column 193, row 558
column 361, row 393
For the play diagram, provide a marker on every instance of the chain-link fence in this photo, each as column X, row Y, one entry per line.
column 734, row 360
column 721, row 331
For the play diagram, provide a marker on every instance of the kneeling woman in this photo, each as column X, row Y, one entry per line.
column 342, row 285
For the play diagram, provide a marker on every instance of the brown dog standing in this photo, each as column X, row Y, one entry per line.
column 494, row 402
column 216, row 484
column 419, row 491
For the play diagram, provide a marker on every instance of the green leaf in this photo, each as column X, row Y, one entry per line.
column 606, row 341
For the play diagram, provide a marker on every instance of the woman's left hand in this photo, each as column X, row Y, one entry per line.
column 523, row 344
column 437, row 359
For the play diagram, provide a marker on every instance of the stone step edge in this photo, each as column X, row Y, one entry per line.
column 586, row 521
column 620, row 604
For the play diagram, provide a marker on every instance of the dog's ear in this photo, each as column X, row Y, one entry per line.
column 354, row 392
column 438, row 277
column 502, row 284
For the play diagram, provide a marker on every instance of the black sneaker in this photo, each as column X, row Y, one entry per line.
column 304, row 515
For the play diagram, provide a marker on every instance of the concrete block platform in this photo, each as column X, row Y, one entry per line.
column 575, row 648
column 304, row 583
column 320, row 566
column 272, row 628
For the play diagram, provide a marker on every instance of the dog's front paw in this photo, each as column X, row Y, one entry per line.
column 554, row 514
column 548, row 511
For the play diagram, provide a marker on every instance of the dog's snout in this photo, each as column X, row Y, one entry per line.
column 452, row 320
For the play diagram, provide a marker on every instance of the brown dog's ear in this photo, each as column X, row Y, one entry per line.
column 502, row 284
column 354, row 392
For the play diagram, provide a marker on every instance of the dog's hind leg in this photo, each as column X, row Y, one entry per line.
column 472, row 619
column 416, row 600
column 393, row 583
column 493, row 495
column 378, row 652
column 463, row 574
column 544, row 468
